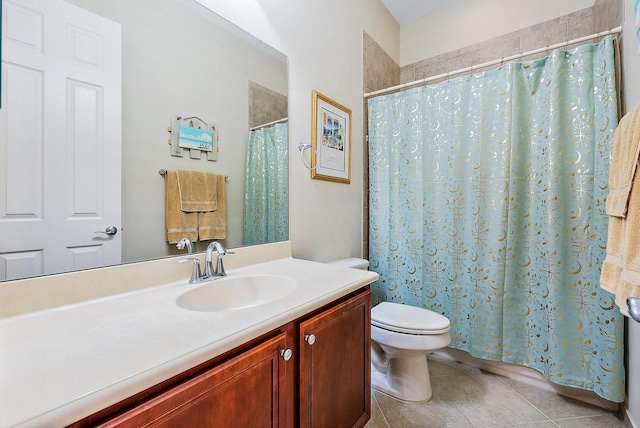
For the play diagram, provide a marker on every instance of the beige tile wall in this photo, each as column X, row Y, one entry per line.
column 603, row 15
column 265, row 105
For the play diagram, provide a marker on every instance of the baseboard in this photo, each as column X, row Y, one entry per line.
column 628, row 420
column 530, row 377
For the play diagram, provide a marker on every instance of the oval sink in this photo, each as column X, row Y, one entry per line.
column 233, row 293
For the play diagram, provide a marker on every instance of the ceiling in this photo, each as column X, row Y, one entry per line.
column 407, row 10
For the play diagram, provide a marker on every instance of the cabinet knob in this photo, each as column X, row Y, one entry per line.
column 286, row 354
column 310, row 338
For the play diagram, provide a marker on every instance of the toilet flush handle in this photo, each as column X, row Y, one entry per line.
column 310, row 338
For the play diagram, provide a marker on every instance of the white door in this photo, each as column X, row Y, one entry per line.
column 59, row 139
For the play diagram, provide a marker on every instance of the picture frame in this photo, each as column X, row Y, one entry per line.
column 330, row 140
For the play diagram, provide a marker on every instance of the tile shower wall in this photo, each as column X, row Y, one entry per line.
column 603, row 15
column 265, row 105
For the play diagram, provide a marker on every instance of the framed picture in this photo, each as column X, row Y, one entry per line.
column 330, row 140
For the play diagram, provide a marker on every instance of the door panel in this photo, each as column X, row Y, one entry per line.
column 335, row 373
column 244, row 391
column 60, row 139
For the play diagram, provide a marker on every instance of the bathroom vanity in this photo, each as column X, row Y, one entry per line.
column 137, row 357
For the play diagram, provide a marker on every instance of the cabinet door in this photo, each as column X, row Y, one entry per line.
column 242, row 392
column 335, row 372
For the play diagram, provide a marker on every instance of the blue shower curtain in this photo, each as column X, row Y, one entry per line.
column 266, row 202
column 487, row 206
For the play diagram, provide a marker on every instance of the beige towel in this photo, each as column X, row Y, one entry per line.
column 197, row 191
column 621, row 269
column 213, row 224
column 178, row 223
column 626, row 148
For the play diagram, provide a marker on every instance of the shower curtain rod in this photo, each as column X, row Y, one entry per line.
column 284, row 119
column 616, row 30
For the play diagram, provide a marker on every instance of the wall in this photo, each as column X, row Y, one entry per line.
column 323, row 42
column 631, row 97
column 458, row 26
column 196, row 69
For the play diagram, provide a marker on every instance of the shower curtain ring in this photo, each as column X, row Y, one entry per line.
column 305, row 146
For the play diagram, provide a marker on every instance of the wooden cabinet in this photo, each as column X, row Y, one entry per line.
column 334, row 367
column 282, row 379
column 246, row 391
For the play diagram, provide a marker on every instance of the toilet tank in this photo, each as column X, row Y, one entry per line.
column 352, row 262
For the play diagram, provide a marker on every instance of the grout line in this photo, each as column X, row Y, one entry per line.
column 384, row 418
column 585, row 417
column 527, row 401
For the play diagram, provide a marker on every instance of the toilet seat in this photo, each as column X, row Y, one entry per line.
column 408, row 319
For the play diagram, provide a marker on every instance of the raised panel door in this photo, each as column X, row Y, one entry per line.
column 246, row 391
column 335, row 373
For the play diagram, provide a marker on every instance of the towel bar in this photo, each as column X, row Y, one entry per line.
column 633, row 307
column 163, row 172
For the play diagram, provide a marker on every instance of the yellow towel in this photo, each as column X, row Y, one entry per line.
column 213, row 224
column 626, row 148
column 197, row 191
column 178, row 223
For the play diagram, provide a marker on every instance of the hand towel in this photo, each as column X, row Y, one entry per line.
column 624, row 162
column 621, row 268
column 197, row 191
column 179, row 224
column 213, row 224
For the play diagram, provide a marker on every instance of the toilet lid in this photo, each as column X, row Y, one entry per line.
column 408, row 319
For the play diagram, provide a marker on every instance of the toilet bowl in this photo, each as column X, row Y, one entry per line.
column 401, row 338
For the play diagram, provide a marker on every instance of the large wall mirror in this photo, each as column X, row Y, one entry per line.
column 178, row 58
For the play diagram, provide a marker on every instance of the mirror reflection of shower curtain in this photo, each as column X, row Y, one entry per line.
column 266, row 201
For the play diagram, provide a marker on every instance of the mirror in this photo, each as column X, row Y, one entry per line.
column 181, row 59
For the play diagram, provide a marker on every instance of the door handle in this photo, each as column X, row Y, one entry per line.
column 109, row 231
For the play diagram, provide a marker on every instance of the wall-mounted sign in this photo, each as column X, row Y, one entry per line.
column 194, row 138
column 195, row 135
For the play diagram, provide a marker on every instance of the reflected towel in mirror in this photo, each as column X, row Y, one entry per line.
column 213, row 224
column 197, row 191
column 178, row 223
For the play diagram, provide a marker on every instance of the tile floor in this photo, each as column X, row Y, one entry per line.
column 467, row 397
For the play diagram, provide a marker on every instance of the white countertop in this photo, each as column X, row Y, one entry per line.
column 61, row 364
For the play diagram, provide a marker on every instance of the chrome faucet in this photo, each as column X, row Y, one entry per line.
column 185, row 242
column 218, row 271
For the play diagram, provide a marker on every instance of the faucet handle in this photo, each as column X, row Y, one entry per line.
column 196, row 275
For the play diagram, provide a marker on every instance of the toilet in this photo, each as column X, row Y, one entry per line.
column 401, row 338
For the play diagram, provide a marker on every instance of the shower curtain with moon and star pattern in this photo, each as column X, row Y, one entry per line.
column 486, row 205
